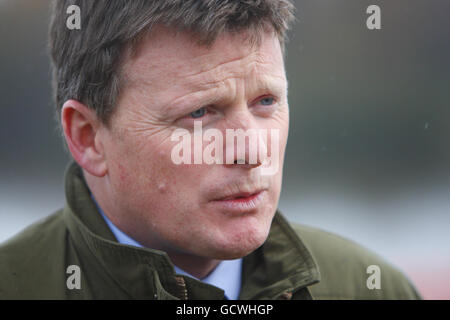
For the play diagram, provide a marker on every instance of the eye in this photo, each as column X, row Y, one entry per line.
column 268, row 101
column 198, row 113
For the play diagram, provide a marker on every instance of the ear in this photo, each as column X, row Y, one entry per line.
column 82, row 128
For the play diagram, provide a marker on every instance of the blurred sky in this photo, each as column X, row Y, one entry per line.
column 367, row 156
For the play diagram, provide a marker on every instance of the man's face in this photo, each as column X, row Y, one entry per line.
column 169, row 84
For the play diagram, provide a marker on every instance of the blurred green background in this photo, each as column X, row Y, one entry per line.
column 367, row 154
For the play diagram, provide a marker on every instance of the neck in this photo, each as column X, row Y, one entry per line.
column 199, row 267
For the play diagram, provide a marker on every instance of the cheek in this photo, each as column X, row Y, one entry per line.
column 148, row 175
column 280, row 123
column 135, row 168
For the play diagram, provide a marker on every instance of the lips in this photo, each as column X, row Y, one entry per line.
column 241, row 196
column 241, row 202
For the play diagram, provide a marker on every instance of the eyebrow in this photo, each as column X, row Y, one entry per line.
column 194, row 99
column 209, row 93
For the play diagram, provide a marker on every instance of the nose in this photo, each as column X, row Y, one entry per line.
column 243, row 146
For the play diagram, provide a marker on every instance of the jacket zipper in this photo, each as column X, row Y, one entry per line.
column 182, row 294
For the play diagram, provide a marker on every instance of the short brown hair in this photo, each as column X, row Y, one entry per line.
column 86, row 63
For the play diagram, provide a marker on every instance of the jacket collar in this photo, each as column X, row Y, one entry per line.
column 282, row 265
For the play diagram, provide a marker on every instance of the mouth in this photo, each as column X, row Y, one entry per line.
column 241, row 202
column 241, row 196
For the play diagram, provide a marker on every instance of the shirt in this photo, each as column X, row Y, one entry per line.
column 226, row 276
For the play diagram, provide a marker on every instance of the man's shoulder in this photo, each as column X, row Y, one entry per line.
column 29, row 258
column 348, row 269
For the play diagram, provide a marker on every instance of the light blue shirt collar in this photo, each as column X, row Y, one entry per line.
column 226, row 276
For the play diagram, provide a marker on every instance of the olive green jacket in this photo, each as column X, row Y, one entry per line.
column 295, row 262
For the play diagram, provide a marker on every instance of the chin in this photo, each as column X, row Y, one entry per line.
column 239, row 243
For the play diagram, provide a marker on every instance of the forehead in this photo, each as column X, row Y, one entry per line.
column 167, row 57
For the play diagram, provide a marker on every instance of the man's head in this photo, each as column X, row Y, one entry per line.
column 139, row 70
